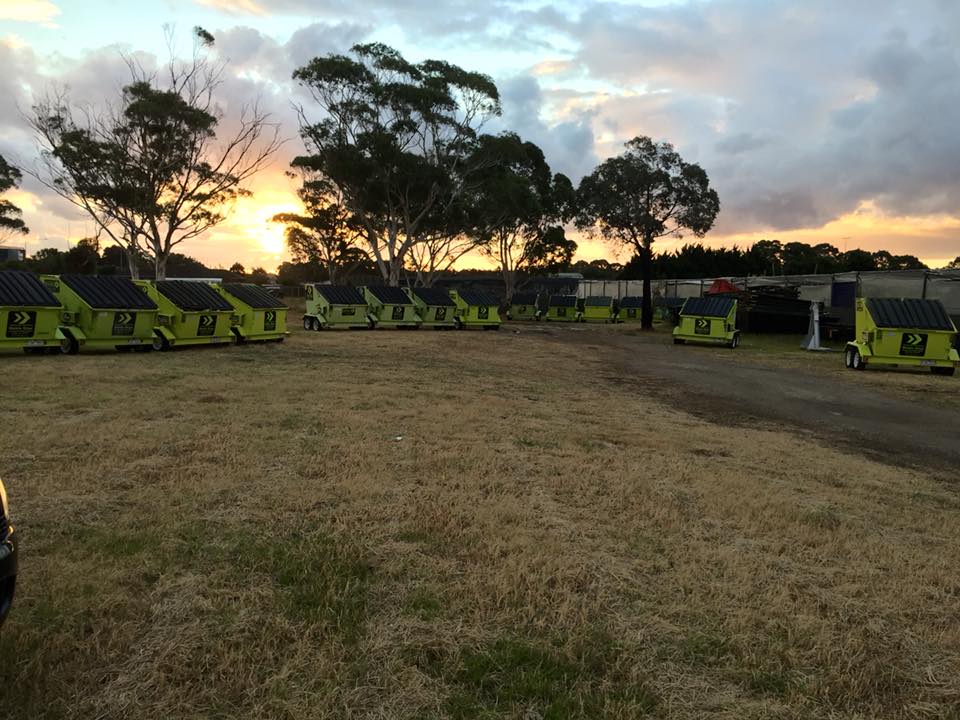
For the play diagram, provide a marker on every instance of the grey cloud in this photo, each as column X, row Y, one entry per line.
column 799, row 111
column 568, row 146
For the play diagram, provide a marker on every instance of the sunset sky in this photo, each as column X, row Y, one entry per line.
column 816, row 120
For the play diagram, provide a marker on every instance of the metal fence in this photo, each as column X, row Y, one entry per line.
column 943, row 285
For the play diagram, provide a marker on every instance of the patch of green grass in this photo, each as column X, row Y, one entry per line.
column 774, row 683
column 513, row 677
column 117, row 544
column 824, row 517
column 423, row 604
column 528, row 442
column 323, row 579
column 707, row 649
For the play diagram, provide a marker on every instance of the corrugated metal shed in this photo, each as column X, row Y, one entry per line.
column 340, row 294
column 389, row 295
column 192, row 296
column 479, row 297
column 909, row 313
column 433, row 296
column 25, row 289
column 708, row 306
column 254, row 296
column 563, row 301
column 104, row 292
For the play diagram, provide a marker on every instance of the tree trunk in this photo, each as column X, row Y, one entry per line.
column 394, row 270
column 160, row 267
column 132, row 264
column 646, row 264
column 509, row 284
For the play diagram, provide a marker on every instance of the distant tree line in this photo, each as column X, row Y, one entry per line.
column 769, row 257
column 87, row 257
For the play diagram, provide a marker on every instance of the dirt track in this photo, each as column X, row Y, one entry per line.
column 714, row 384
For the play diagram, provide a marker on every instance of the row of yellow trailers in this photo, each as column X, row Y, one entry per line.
column 910, row 332
column 332, row 307
column 901, row 332
column 68, row 313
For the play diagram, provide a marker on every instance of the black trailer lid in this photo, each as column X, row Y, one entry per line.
column 433, row 296
column 524, row 299
column 708, row 306
column 104, row 292
column 563, row 301
column 340, row 294
column 631, row 301
column 192, row 296
column 479, row 297
column 909, row 313
column 254, row 296
column 24, row 289
column 389, row 295
column 598, row 301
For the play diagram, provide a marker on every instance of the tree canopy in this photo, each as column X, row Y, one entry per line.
column 647, row 192
column 517, row 208
column 394, row 139
column 10, row 221
column 150, row 169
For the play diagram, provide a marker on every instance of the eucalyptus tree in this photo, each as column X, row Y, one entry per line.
column 150, row 168
column 394, row 138
column 519, row 207
column 324, row 234
column 647, row 192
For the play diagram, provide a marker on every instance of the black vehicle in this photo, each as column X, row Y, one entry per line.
column 8, row 557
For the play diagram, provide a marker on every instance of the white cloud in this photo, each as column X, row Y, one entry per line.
column 41, row 12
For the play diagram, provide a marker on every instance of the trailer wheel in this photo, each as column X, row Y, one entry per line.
column 946, row 371
column 160, row 343
column 69, row 346
column 307, row 323
column 856, row 360
column 848, row 358
column 458, row 323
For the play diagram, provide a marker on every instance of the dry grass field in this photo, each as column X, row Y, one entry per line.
column 415, row 525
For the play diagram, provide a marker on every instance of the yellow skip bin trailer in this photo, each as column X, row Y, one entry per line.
column 435, row 307
column 476, row 308
column 597, row 308
column 29, row 314
column 710, row 320
column 103, row 311
column 523, row 306
column 334, row 307
column 563, row 308
column 909, row 332
column 257, row 315
column 191, row 313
